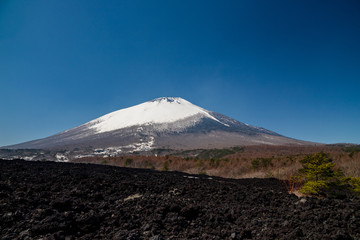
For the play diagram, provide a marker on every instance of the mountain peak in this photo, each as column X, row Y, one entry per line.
column 178, row 100
column 157, row 111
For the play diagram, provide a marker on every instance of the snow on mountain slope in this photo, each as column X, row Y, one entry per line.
column 163, row 123
column 160, row 110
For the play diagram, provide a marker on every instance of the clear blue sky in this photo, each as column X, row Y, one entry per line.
column 289, row 66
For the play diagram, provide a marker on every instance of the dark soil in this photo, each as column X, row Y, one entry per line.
column 81, row 201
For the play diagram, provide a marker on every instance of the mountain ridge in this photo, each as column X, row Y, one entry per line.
column 167, row 122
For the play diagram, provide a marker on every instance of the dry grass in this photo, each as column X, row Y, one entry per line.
column 251, row 162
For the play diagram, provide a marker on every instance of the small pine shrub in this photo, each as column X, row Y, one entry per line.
column 165, row 167
column 214, row 162
column 320, row 178
column 266, row 162
column 104, row 162
column 319, row 174
column 318, row 167
column 261, row 162
column 128, row 161
column 353, row 183
column 314, row 187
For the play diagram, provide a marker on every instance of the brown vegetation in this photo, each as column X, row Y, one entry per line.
column 241, row 162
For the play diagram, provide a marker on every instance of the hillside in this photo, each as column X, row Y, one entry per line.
column 170, row 123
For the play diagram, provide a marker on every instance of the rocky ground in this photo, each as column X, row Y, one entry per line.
column 47, row 200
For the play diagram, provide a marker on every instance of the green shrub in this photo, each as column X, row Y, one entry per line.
column 352, row 183
column 314, row 187
column 318, row 174
column 355, row 148
column 261, row 162
column 318, row 167
column 128, row 161
column 165, row 167
column 214, row 162
column 266, row 162
column 255, row 164
column 104, row 162
column 320, row 178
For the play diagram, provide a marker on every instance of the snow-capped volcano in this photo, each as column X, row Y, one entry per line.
column 163, row 123
column 158, row 111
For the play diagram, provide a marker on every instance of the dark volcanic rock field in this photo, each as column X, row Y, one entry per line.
column 47, row 200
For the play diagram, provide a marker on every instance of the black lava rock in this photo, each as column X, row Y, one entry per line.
column 51, row 200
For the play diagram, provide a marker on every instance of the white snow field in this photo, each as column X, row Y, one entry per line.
column 160, row 110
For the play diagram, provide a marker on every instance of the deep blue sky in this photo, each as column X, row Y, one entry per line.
column 289, row 66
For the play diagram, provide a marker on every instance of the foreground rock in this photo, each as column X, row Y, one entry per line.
column 77, row 201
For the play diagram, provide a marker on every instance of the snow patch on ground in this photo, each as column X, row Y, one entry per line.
column 82, row 156
column 141, row 146
column 61, row 157
column 264, row 142
column 144, row 145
